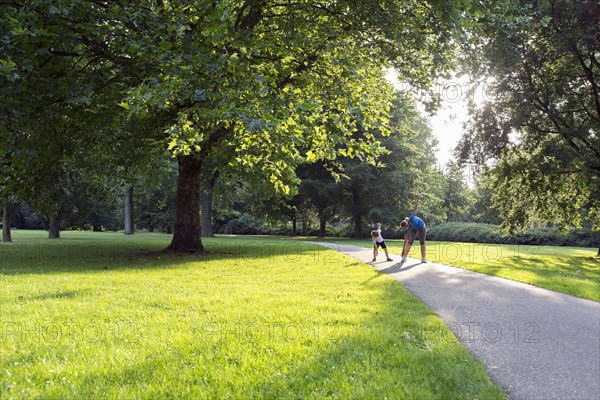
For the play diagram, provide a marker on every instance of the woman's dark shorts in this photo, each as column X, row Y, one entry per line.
column 412, row 234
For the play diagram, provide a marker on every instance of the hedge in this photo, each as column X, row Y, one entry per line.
column 447, row 232
column 486, row 233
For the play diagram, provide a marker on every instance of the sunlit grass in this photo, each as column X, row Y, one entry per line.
column 570, row 270
column 97, row 315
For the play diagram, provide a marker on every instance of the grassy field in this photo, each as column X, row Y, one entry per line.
column 100, row 315
column 571, row 270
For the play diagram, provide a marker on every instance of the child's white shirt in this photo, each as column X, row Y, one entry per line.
column 379, row 238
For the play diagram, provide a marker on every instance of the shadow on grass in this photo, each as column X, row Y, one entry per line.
column 33, row 257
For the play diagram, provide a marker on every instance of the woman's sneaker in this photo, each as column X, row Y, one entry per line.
column 403, row 259
column 423, row 261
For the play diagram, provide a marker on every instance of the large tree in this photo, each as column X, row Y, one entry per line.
column 62, row 129
column 279, row 83
column 276, row 83
column 458, row 197
column 319, row 192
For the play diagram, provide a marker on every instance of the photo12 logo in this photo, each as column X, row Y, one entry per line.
column 489, row 332
column 493, row 332
column 224, row 332
column 449, row 253
column 72, row 253
column 453, row 91
column 56, row 332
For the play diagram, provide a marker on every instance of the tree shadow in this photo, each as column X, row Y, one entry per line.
column 102, row 256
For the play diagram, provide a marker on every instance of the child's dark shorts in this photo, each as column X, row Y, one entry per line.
column 381, row 244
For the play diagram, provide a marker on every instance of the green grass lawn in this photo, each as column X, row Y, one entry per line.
column 100, row 315
column 571, row 270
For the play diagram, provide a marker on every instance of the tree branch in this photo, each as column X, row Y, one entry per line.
column 590, row 77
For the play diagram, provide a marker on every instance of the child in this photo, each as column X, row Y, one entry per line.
column 379, row 242
column 412, row 226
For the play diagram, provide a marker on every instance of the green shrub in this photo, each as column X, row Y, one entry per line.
column 464, row 232
column 486, row 233
column 244, row 225
column 342, row 231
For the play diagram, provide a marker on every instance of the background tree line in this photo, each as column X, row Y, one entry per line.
column 281, row 111
column 323, row 206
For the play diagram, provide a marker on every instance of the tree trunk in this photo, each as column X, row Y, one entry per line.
column 6, row 224
column 186, row 233
column 322, row 225
column 129, row 228
column 356, row 214
column 357, row 225
column 207, row 229
column 207, row 202
column 54, row 227
column 294, row 226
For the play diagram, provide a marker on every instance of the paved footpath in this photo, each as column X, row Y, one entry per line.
column 535, row 343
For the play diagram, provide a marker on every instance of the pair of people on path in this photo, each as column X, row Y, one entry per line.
column 411, row 226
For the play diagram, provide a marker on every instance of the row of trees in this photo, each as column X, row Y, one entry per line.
column 366, row 193
column 94, row 92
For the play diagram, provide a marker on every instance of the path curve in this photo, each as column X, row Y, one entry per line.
column 535, row 343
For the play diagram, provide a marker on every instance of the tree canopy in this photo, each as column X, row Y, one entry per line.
column 261, row 85
column 540, row 62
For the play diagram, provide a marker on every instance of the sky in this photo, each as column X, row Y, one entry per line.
column 447, row 126
column 447, row 123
